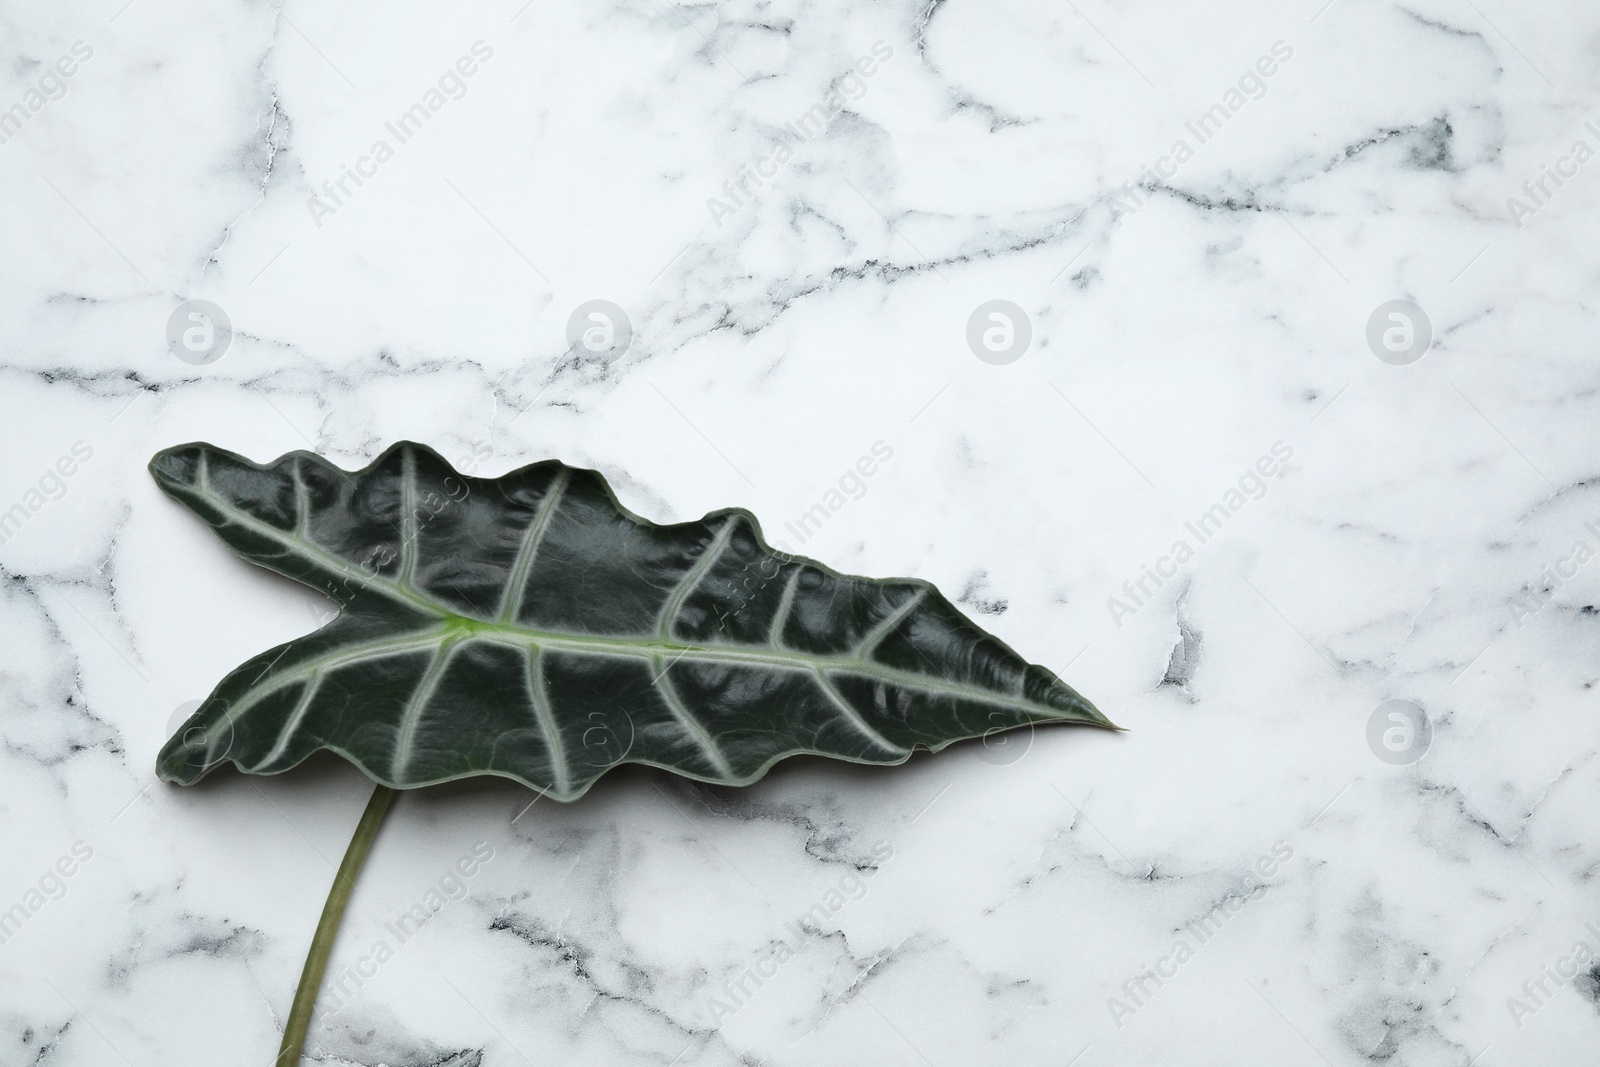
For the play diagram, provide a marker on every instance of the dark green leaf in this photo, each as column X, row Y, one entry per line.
column 530, row 626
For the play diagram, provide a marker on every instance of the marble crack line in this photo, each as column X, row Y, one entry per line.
column 574, row 956
column 272, row 147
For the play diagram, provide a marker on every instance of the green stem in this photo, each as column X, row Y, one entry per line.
column 305, row 997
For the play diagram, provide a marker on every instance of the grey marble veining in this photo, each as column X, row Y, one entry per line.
column 1334, row 570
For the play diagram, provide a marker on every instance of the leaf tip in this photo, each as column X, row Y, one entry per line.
column 188, row 755
column 175, row 466
column 173, row 770
column 1097, row 718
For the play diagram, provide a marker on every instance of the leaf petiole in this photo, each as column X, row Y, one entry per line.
column 344, row 882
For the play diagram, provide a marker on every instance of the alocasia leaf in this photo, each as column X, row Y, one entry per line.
column 530, row 626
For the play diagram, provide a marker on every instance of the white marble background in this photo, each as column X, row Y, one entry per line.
column 1182, row 325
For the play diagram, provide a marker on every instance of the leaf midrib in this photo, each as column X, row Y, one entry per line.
column 454, row 626
column 465, row 628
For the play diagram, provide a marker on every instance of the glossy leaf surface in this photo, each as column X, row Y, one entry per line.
column 529, row 626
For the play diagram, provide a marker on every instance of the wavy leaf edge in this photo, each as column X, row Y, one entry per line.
column 455, row 629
